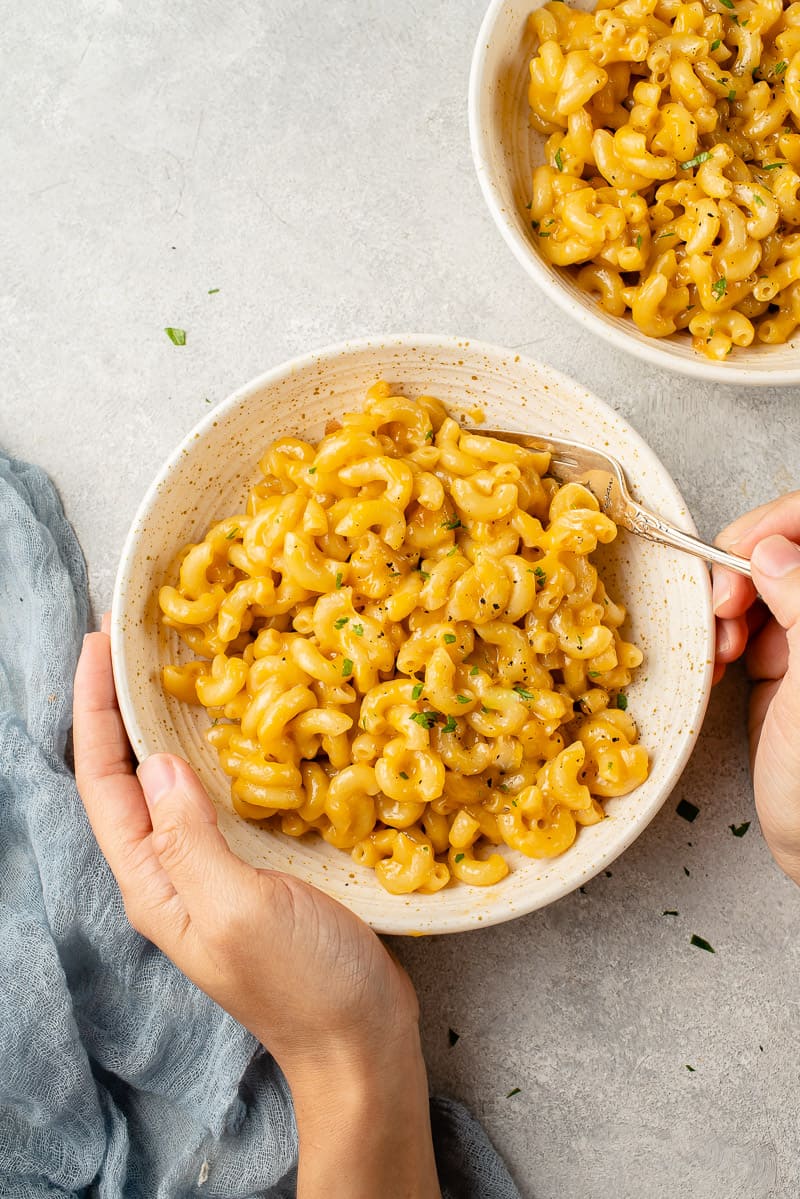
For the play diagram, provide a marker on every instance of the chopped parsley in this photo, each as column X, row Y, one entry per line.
column 358, row 629
column 474, row 671
column 429, row 435
column 312, row 470
column 338, row 579
column 512, row 1092
column 779, row 68
column 715, row 45
column 687, row 810
column 452, row 1036
column 212, row 291
column 452, row 523
column 403, row 774
column 230, row 536
column 706, row 154
column 622, row 702
column 450, row 725
column 463, row 699
column 639, row 241
column 732, row 94
column 559, row 161
column 176, row 336
column 459, row 857
column 669, row 912
column 416, row 691
column 727, row 3
column 719, row 288
column 540, row 576
column 347, row 668
column 739, row 830
column 449, row 638
column 758, row 200
column 772, row 166
column 544, row 234
column 701, row 943
column 690, row 1069
column 341, row 622
column 426, row 719
column 523, row 693
column 424, row 574
column 594, row 674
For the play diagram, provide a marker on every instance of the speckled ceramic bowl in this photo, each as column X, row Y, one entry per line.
column 668, row 596
column 505, row 149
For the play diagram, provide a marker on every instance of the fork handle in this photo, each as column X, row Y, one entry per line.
column 647, row 524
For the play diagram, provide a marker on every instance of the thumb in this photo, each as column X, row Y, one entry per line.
column 186, row 838
column 776, row 574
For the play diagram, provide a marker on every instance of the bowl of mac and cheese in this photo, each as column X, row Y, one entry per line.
column 408, row 665
column 642, row 162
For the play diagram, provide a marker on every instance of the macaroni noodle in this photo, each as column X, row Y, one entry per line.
column 672, row 170
column 406, row 649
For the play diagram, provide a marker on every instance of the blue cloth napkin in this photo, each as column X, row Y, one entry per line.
column 116, row 1073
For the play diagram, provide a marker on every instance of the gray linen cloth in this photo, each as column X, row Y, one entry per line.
column 117, row 1076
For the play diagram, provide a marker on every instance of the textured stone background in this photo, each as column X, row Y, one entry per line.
column 312, row 161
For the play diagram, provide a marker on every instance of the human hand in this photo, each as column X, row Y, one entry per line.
column 769, row 629
column 297, row 969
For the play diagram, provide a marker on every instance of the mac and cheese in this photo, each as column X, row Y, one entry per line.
column 405, row 648
column 670, row 186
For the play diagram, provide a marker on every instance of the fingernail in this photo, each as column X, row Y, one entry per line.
column 721, row 590
column 776, row 557
column 157, row 776
column 723, row 640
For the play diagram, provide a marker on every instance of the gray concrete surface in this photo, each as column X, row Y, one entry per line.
column 312, row 162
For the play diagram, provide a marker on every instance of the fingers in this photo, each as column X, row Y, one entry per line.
column 731, row 638
column 768, row 653
column 191, row 849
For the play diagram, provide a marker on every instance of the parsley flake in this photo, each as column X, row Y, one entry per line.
column 559, row 161
column 687, row 810
column 739, row 830
column 622, row 702
column 719, row 288
column 779, row 68
column 338, row 579
column 212, row 291
column 449, row 638
column 669, row 912
column 341, row 622
column 176, row 336
column 523, row 693
column 459, row 857
column 701, row 943
column 347, row 668
column 513, row 1091
column 474, row 671
column 463, row 699
column 705, row 155
column 230, row 536
column 450, row 725
column 540, row 576
column 416, row 691
column 772, row 166
column 358, row 629
column 426, row 719
column 403, row 774
column 453, row 1036
column 453, row 523
column 715, row 45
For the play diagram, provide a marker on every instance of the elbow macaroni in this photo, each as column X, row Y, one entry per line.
column 405, row 648
column 671, row 186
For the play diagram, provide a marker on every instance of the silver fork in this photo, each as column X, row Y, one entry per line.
column 572, row 462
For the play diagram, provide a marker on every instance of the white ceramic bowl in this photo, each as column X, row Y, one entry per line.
column 505, row 149
column 668, row 595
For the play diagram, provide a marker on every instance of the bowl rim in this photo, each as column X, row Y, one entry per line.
column 431, row 342
column 548, row 278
